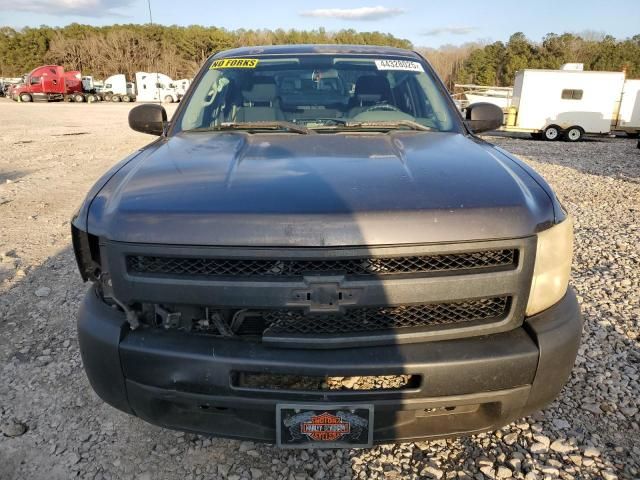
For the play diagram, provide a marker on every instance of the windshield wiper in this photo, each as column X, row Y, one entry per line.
column 410, row 124
column 267, row 125
column 340, row 123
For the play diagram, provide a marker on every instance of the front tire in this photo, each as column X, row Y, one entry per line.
column 115, row 99
column 126, row 98
column 25, row 97
column 78, row 98
column 551, row 133
column 168, row 99
column 573, row 134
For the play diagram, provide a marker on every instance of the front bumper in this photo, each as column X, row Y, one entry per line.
column 468, row 385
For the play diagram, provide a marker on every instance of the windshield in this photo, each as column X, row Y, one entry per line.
column 318, row 92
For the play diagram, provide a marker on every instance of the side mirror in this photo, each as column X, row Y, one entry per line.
column 149, row 118
column 483, row 116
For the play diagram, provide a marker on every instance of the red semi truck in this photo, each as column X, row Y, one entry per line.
column 51, row 83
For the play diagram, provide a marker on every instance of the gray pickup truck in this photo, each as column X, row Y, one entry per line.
column 317, row 251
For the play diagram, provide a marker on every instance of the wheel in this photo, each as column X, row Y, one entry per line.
column 536, row 135
column 551, row 133
column 115, row 98
column 78, row 98
column 126, row 98
column 573, row 134
column 107, row 97
column 168, row 99
column 25, row 97
column 91, row 98
column 633, row 134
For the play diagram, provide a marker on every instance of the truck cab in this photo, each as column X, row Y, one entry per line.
column 155, row 87
column 51, row 83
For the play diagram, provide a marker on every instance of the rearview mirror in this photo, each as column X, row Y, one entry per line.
column 148, row 118
column 483, row 116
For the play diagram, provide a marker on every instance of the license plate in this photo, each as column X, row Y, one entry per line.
column 324, row 426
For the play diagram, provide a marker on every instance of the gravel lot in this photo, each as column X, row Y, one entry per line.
column 54, row 427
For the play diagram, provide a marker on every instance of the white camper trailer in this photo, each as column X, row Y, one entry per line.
column 568, row 103
column 629, row 111
column 155, row 87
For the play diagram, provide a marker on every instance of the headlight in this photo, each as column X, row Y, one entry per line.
column 552, row 268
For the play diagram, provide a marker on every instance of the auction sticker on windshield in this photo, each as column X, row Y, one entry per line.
column 234, row 63
column 407, row 65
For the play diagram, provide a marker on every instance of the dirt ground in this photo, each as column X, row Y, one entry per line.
column 55, row 427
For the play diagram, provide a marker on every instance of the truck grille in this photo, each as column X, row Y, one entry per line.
column 207, row 267
column 291, row 322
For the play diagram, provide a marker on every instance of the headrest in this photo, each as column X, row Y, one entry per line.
column 263, row 90
column 373, row 85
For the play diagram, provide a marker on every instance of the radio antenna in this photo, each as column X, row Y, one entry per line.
column 157, row 75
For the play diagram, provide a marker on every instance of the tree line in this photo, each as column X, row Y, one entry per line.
column 176, row 51
column 496, row 63
column 179, row 51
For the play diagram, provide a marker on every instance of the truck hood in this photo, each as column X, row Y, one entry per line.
column 283, row 189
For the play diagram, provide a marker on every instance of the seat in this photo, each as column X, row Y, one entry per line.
column 370, row 90
column 260, row 103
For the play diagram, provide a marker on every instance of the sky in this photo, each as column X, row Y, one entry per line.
column 428, row 23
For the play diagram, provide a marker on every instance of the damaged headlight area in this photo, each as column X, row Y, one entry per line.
column 87, row 251
column 552, row 267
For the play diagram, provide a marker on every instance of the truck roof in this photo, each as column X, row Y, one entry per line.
column 307, row 49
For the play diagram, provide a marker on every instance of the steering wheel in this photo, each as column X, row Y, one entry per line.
column 387, row 107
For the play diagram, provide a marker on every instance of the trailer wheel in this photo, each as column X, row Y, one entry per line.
column 126, row 98
column 115, row 99
column 168, row 99
column 25, row 97
column 573, row 134
column 551, row 133
column 78, row 98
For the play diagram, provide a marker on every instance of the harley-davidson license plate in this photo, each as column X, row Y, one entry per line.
column 324, row 426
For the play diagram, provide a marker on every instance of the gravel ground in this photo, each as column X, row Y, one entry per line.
column 54, row 427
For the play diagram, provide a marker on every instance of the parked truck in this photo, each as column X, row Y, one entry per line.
column 117, row 89
column 52, row 83
column 257, row 274
column 181, row 86
column 148, row 87
column 155, row 87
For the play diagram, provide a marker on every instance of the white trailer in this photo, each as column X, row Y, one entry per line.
column 629, row 112
column 155, row 87
column 569, row 103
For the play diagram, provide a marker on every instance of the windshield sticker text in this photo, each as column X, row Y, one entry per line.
column 234, row 63
column 399, row 65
